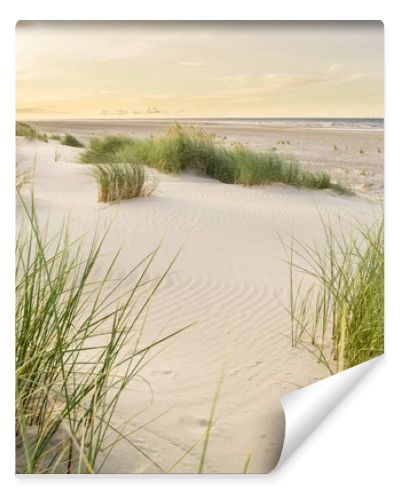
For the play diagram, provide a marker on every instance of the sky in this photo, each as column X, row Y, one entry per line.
column 69, row 70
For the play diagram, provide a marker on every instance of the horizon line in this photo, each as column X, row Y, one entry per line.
column 202, row 117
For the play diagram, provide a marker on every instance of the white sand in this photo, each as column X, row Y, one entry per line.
column 353, row 156
column 230, row 278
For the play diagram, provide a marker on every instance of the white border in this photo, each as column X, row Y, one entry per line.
column 354, row 453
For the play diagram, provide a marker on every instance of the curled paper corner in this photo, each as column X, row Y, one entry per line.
column 306, row 408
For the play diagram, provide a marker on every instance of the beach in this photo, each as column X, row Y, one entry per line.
column 348, row 152
column 230, row 282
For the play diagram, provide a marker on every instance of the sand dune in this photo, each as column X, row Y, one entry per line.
column 352, row 156
column 230, row 279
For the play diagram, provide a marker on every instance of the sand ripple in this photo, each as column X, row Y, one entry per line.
column 230, row 279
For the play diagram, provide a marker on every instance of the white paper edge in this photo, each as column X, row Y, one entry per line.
column 306, row 408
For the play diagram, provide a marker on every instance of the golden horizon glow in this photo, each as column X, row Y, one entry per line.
column 205, row 69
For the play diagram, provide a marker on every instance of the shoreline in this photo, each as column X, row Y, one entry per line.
column 231, row 122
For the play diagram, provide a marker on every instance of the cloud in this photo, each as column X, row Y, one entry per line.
column 117, row 112
column 150, row 110
column 35, row 109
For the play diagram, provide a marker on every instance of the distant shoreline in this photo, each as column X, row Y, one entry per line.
column 299, row 123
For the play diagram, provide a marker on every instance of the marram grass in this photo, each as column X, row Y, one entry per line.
column 71, row 140
column 79, row 344
column 24, row 129
column 122, row 180
column 182, row 148
column 104, row 149
column 339, row 316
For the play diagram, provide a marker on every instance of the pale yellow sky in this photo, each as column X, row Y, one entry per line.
column 155, row 69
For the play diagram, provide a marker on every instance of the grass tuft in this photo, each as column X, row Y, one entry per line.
column 339, row 317
column 183, row 148
column 70, row 140
column 122, row 180
column 79, row 345
column 104, row 149
column 23, row 129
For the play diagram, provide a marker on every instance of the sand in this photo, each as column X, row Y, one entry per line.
column 355, row 157
column 230, row 278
